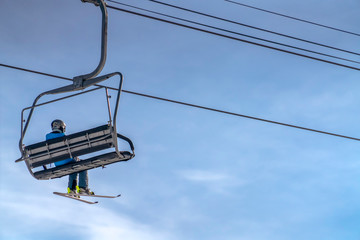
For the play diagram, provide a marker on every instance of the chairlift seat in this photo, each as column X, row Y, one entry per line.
column 75, row 145
column 94, row 162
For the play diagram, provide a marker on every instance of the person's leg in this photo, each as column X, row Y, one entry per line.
column 72, row 182
column 84, row 183
column 83, row 179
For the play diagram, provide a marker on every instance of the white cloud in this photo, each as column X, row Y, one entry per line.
column 35, row 215
column 29, row 211
column 204, row 176
column 213, row 180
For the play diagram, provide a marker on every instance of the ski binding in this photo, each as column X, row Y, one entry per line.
column 78, row 196
column 75, row 197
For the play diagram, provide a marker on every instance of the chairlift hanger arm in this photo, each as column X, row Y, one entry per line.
column 101, row 64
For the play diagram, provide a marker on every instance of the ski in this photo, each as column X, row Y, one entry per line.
column 75, row 197
column 100, row 196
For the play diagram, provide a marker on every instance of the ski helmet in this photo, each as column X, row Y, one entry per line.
column 58, row 125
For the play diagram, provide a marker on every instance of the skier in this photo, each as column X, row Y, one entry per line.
column 58, row 130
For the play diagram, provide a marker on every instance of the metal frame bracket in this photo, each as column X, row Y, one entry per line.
column 78, row 82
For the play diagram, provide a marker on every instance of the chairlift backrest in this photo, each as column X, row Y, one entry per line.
column 69, row 146
column 75, row 145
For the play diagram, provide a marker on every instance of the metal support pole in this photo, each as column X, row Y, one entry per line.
column 108, row 104
column 81, row 78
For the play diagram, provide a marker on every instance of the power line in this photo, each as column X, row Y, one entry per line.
column 33, row 71
column 195, row 106
column 253, row 27
column 294, row 18
column 233, row 38
column 237, row 33
column 241, row 115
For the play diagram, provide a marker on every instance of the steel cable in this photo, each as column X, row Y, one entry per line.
column 249, row 26
column 233, row 38
column 294, row 18
column 237, row 33
column 195, row 106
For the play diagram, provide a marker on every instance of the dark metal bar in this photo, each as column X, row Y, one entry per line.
column 104, row 28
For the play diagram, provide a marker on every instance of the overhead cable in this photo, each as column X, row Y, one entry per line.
column 194, row 105
column 237, row 33
column 233, row 38
column 294, row 18
column 253, row 27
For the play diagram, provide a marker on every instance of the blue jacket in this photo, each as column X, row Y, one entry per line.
column 53, row 135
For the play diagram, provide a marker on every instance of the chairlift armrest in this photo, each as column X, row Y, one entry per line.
column 19, row 160
column 128, row 140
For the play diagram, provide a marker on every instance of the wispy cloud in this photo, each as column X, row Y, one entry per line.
column 36, row 215
column 204, row 176
column 216, row 181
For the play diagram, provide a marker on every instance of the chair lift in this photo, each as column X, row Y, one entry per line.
column 44, row 153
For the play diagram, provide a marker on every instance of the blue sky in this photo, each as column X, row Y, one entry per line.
column 197, row 174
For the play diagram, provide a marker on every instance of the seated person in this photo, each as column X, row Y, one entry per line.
column 58, row 130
